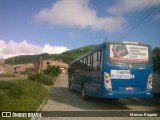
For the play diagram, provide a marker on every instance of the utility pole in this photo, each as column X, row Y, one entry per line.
column 13, row 62
column 40, row 64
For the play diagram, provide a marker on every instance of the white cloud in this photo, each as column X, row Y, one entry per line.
column 53, row 49
column 126, row 6
column 77, row 13
column 12, row 48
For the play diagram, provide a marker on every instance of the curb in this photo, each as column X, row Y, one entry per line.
column 40, row 107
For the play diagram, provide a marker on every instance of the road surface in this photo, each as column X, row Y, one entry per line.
column 61, row 99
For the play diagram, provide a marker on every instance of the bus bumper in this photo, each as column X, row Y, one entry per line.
column 128, row 95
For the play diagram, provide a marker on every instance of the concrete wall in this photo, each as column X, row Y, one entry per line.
column 6, row 69
column 23, row 67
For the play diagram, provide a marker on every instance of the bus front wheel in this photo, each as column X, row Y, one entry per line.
column 83, row 94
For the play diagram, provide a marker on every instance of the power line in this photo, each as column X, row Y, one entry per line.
column 143, row 16
column 143, row 13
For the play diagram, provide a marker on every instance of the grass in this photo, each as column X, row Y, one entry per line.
column 7, row 75
column 47, row 79
column 21, row 95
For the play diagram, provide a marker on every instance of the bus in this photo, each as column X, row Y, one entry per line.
column 113, row 70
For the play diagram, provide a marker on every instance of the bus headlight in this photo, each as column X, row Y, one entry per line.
column 149, row 83
column 107, row 81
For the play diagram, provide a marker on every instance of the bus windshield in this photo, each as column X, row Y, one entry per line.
column 128, row 53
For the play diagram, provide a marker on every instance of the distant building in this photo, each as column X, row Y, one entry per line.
column 2, row 61
column 42, row 65
column 6, row 69
column 19, row 69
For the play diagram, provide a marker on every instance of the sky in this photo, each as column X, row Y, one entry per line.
column 30, row 27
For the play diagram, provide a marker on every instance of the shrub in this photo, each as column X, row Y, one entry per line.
column 2, row 96
column 35, row 76
column 46, row 76
column 47, row 79
column 24, row 96
column 7, row 75
column 53, row 71
column 41, row 77
column 13, row 89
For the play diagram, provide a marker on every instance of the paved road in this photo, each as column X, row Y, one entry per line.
column 62, row 99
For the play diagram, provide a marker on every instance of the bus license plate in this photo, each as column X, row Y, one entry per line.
column 129, row 88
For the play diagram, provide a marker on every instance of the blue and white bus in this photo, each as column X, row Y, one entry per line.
column 113, row 70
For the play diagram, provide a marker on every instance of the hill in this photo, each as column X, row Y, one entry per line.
column 71, row 55
column 67, row 56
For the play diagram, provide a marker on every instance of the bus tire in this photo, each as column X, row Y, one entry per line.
column 112, row 99
column 70, row 87
column 83, row 94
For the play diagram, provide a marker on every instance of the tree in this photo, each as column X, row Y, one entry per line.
column 53, row 71
column 156, row 59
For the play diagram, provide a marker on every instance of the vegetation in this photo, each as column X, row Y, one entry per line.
column 23, row 59
column 42, row 78
column 71, row 55
column 48, row 76
column 156, row 59
column 7, row 75
column 53, row 71
column 21, row 95
column 67, row 56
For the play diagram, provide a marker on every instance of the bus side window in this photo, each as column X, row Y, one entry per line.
column 95, row 61
column 71, row 69
column 79, row 67
column 91, row 62
column 76, row 67
column 99, row 59
column 82, row 65
column 88, row 63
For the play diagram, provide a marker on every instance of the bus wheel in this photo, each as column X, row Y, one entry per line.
column 112, row 99
column 70, row 87
column 83, row 94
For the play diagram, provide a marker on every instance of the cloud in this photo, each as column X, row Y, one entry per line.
column 126, row 6
column 12, row 48
column 77, row 13
column 54, row 49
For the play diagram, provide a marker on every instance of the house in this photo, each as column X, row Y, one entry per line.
column 6, row 69
column 2, row 61
column 42, row 65
column 21, row 68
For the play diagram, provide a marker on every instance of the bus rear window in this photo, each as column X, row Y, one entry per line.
column 128, row 53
